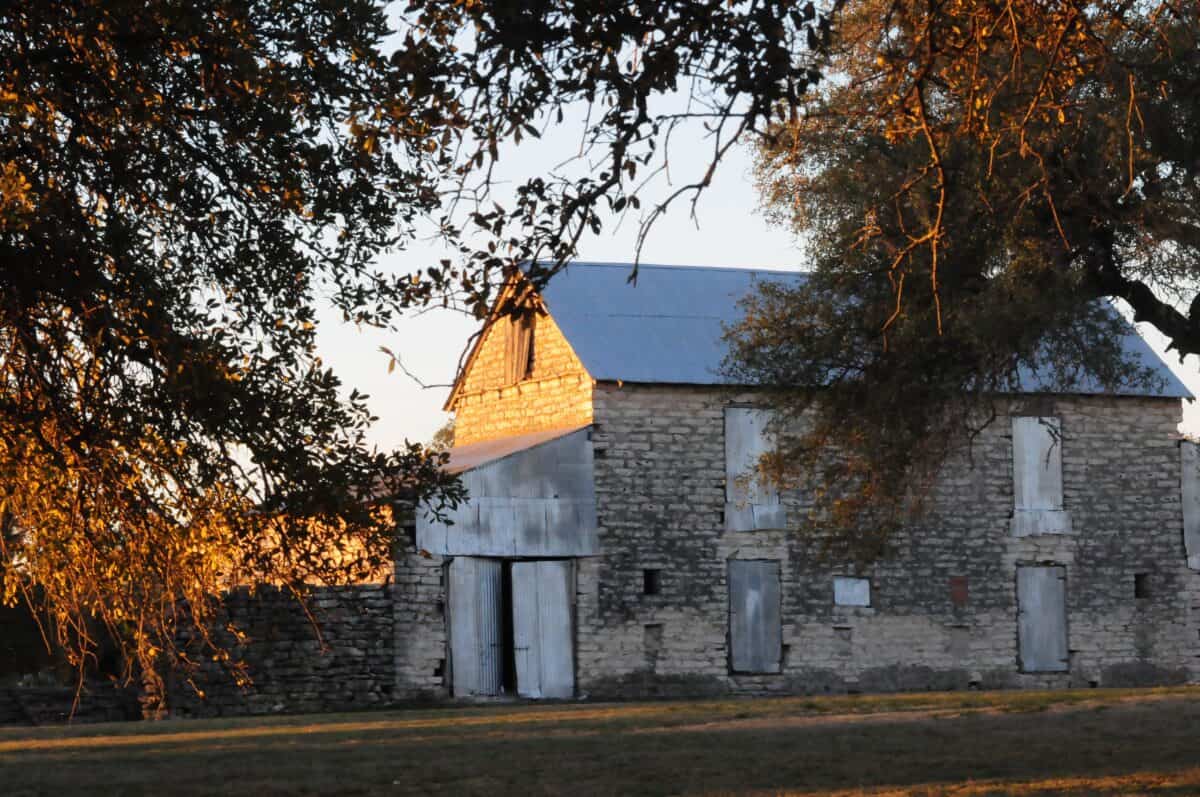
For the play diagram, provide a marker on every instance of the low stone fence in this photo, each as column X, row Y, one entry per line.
column 49, row 705
column 340, row 658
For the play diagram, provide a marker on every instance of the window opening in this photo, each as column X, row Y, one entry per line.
column 849, row 591
column 1037, row 448
column 751, row 502
column 651, row 582
column 520, row 354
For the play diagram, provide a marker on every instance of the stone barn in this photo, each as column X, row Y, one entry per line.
column 609, row 549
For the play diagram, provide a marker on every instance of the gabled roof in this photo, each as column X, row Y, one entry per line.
column 667, row 326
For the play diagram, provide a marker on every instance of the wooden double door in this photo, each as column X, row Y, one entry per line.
column 511, row 626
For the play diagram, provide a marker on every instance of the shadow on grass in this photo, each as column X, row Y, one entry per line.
column 1143, row 747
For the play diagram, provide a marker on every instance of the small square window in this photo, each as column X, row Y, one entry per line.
column 849, row 591
column 651, row 582
column 1141, row 585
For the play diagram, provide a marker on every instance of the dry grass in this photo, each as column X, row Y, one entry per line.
column 1076, row 742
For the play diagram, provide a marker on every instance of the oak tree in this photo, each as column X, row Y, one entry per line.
column 968, row 186
column 181, row 185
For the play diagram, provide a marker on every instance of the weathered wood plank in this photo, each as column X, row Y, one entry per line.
column 1042, row 618
column 755, row 631
column 750, row 503
column 543, row 635
column 1037, row 477
column 475, row 607
column 1189, row 462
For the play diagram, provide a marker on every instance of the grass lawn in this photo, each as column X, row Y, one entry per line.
column 1070, row 742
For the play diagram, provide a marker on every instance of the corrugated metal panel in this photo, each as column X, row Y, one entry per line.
column 543, row 636
column 667, row 327
column 755, row 631
column 1042, row 618
column 525, row 629
column 539, row 501
column 476, row 622
column 1037, row 447
column 848, row 591
column 750, row 504
column 1189, row 461
column 473, row 455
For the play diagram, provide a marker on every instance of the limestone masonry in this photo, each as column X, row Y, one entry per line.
column 1054, row 552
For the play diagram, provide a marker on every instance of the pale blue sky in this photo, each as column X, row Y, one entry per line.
column 731, row 232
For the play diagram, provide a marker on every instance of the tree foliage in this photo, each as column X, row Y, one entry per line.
column 641, row 69
column 969, row 184
column 182, row 182
column 181, row 185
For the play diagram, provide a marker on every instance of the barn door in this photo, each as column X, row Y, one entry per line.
column 476, row 650
column 755, row 633
column 542, row 628
column 1042, row 618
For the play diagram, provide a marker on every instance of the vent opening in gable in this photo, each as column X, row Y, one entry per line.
column 519, row 354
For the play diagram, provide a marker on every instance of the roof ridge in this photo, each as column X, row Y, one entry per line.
column 683, row 266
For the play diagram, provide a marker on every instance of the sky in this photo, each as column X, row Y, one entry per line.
column 731, row 231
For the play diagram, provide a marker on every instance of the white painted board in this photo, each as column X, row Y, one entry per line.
column 750, row 502
column 1042, row 618
column 543, row 637
column 755, row 631
column 850, row 591
column 1037, row 477
column 476, row 614
column 1189, row 462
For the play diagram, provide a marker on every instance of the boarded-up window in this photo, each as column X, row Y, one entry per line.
column 850, row 591
column 1042, row 618
column 958, row 590
column 519, row 355
column 1037, row 478
column 750, row 502
column 755, row 633
column 1189, row 456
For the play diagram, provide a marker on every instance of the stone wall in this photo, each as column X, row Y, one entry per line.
column 98, row 701
column 349, row 665
column 660, row 492
column 422, row 657
column 558, row 394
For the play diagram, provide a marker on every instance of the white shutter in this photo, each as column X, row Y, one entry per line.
column 849, row 591
column 750, row 503
column 1037, row 477
column 1189, row 461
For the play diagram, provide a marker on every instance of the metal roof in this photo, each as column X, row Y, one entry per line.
column 666, row 327
column 473, row 455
